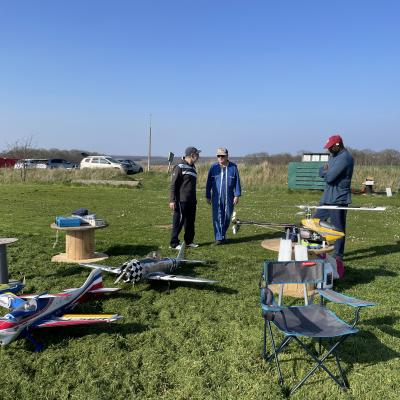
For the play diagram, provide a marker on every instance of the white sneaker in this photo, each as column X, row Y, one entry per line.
column 178, row 247
column 193, row 245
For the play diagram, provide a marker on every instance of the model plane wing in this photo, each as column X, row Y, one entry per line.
column 113, row 270
column 12, row 286
column 103, row 290
column 160, row 276
column 77, row 319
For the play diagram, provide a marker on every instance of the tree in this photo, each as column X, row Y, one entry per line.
column 20, row 149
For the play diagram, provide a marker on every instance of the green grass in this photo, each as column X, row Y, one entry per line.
column 194, row 342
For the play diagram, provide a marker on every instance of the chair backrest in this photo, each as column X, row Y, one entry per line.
column 283, row 272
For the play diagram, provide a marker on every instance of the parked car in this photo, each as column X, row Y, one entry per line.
column 29, row 163
column 132, row 166
column 103, row 162
column 56, row 163
column 7, row 162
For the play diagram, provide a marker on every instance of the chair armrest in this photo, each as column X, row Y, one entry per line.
column 271, row 308
column 336, row 297
column 267, row 301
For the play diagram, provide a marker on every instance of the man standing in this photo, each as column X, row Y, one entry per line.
column 183, row 198
column 223, row 191
column 337, row 174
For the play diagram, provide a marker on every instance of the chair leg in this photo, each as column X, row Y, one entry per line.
column 284, row 343
column 319, row 363
column 342, row 374
column 280, row 380
column 265, row 340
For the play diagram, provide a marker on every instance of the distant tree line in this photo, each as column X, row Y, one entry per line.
column 23, row 149
column 21, row 152
column 361, row 157
column 370, row 157
column 281, row 158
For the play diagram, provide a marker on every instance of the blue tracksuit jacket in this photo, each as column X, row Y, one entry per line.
column 223, row 184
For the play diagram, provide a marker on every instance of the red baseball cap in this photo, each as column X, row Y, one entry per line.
column 332, row 141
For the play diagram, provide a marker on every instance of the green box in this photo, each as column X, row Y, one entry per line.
column 305, row 175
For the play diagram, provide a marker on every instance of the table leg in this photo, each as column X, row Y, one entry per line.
column 3, row 264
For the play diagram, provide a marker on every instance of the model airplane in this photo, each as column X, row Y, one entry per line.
column 29, row 312
column 12, row 286
column 312, row 231
column 153, row 269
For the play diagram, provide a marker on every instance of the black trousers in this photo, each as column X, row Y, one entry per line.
column 184, row 216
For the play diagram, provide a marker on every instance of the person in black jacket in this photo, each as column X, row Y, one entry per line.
column 183, row 198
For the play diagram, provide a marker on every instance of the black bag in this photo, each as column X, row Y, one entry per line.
column 80, row 212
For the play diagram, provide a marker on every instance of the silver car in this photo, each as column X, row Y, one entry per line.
column 96, row 162
column 29, row 163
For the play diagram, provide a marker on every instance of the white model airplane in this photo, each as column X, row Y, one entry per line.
column 152, row 269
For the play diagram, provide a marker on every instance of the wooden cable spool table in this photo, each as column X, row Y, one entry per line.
column 79, row 244
column 293, row 289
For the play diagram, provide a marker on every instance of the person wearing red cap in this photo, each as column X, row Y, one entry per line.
column 337, row 174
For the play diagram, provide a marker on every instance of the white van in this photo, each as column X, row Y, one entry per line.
column 102, row 162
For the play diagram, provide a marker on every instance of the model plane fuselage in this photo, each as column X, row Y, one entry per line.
column 45, row 310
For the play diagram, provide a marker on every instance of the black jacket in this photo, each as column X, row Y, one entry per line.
column 183, row 183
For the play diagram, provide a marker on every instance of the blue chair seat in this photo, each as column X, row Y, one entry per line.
column 311, row 321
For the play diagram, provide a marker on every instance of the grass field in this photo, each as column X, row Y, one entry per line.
column 193, row 342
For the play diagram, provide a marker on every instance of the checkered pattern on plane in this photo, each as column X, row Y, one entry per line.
column 133, row 271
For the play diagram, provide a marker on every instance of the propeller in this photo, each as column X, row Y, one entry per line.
column 123, row 273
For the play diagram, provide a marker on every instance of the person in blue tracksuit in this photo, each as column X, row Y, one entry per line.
column 337, row 174
column 222, row 191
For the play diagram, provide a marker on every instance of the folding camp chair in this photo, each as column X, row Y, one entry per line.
column 313, row 321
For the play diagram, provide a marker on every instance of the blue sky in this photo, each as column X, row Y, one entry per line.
column 254, row 76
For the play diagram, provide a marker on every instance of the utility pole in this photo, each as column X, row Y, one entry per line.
column 149, row 153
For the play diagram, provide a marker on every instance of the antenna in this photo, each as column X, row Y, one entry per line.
column 149, row 153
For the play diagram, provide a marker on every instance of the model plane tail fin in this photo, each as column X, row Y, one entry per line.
column 181, row 253
column 94, row 280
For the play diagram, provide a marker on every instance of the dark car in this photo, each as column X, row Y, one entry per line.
column 56, row 163
column 131, row 166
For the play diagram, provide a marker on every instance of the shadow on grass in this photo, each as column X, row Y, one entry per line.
column 373, row 251
column 361, row 348
column 129, row 250
column 366, row 348
column 63, row 270
column 385, row 324
column 55, row 336
column 359, row 276
column 163, row 287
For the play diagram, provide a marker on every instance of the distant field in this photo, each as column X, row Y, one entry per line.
column 194, row 342
column 252, row 175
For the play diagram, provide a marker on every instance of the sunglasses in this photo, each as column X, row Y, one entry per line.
column 219, row 156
